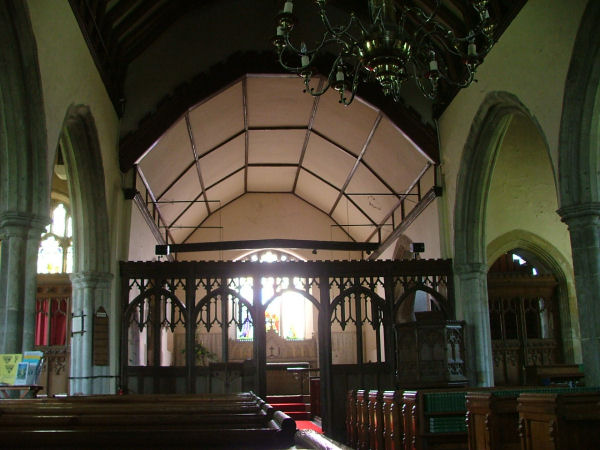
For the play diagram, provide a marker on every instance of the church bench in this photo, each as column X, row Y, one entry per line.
column 117, row 419
column 492, row 420
column 375, row 414
column 380, row 417
column 556, row 421
column 362, row 419
column 243, row 397
column 217, row 421
column 393, row 430
column 435, row 419
column 83, row 408
column 143, row 438
column 492, row 416
column 351, row 424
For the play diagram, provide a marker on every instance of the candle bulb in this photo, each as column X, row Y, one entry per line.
column 472, row 50
column 339, row 76
column 279, row 31
column 304, row 59
column 288, row 7
column 433, row 65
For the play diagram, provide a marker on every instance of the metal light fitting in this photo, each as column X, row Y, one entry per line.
column 400, row 43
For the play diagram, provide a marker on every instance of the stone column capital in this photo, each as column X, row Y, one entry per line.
column 470, row 269
column 581, row 212
column 91, row 279
column 19, row 223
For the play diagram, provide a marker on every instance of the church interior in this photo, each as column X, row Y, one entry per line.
column 204, row 198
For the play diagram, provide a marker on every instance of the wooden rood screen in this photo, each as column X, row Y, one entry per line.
column 212, row 326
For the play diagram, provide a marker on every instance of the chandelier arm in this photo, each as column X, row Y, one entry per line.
column 435, row 29
column 446, row 38
column 429, row 94
column 339, row 30
column 317, row 92
column 325, row 40
column 445, row 35
column 298, row 51
column 355, row 81
column 422, row 14
column 461, row 84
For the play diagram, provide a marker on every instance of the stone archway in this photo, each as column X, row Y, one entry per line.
column 561, row 268
column 470, row 262
column 579, row 163
column 23, row 173
column 91, row 276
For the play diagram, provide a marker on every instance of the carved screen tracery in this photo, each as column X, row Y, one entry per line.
column 357, row 320
column 203, row 326
column 524, row 318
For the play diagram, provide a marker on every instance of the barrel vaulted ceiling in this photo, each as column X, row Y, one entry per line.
column 263, row 135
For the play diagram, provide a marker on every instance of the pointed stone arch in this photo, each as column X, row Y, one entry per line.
column 579, row 166
column 24, row 186
column 470, row 262
column 83, row 160
column 561, row 268
column 91, row 276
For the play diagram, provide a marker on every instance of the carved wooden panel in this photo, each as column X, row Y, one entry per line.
column 53, row 310
column 524, row 324
column 430, row 353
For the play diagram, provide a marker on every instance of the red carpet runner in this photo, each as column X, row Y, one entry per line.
column 294, row 406
column 308, row 425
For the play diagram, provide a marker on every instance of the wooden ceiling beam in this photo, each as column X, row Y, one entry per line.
column 139, row 39
column 458, row 26
column 265, row 243
column 134, row 19
column 119, row 10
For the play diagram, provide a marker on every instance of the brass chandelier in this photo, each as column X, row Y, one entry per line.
column 400, row 43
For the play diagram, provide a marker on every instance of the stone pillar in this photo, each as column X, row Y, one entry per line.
column 584, row 228
column 90, row 291
column 20, row 233
column 472, row 306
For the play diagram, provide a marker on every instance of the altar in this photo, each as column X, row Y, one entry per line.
column 287, row 378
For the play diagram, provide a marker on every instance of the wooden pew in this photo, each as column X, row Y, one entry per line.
column 553, row 421
column 375, row 414
column 351, row 424
column 393, row 433
column 492, row 420
column 362, row 419
column 435, row 419
column 162, row 421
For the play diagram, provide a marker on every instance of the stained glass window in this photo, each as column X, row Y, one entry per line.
column 55, row 254
column 286, row 314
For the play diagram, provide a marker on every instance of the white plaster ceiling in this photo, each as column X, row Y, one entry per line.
column 263, row 134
